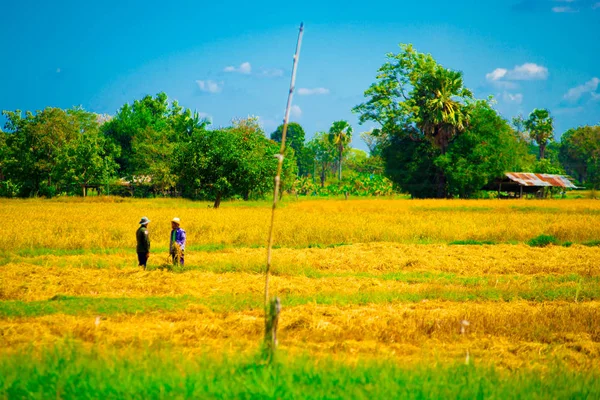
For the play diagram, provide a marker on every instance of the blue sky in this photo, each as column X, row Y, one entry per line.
column 232, row 59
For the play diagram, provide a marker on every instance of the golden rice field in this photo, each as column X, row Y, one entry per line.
column 408, row 283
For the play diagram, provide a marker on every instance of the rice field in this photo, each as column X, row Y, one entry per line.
column 409, row 298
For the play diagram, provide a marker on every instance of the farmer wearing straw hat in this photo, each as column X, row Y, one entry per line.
column 143, row 242
column 177, row 244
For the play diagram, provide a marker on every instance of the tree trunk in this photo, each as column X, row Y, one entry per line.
column 441, row 176
column 323, row 177
column 340, row 166
column 441, row 185
column 542, row 150
column 217, row 201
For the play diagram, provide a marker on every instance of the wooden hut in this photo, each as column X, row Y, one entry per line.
column 519, row 183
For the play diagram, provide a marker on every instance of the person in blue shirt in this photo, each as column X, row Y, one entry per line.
column 177, row 243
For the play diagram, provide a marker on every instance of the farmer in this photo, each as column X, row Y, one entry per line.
column 177, row 245
column 143, row 242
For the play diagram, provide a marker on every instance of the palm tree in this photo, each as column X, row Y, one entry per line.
column 443, row 116
column 540, row 128
column 340, row 134
column 418, row 99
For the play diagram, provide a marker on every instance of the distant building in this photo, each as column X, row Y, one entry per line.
column 519, row 183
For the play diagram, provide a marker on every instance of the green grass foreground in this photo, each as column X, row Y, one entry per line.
column 68, row 371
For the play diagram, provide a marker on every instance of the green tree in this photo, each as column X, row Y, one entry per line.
column 546, row 166
column 485, row 151
column 488, row 148
column 416, row 98
column 295, row 138
column 147, row 133
column 355, row 159
column 323, row 152
column 373, row 139
column 518, row 123
column 410, row 165
column 306, row 162
column 34, row 144
column 358, row 161
column 3, row 153
column 88, row 159
column 233, row 161
column 580, row 154
column 55, row 151
column 8, row 188
column 340, row 136
column 183, row 121
column 540, row 128
column 152, row 157
column 130, row 121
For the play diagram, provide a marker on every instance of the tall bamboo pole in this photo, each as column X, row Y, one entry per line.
column 280, row 165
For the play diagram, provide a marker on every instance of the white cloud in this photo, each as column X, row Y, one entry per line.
column 567, row 110
column 502, row 77
column 527, row 71
column 244, row 68
column 505, row 85
column 295, row 111
column 595, row 6
column 496, row 74
column 590, row 86
column 512, row 98
column 564, row 9
column 308, row 92
column 271, row 72
column 210, row 86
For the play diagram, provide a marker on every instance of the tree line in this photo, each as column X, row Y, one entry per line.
column 149, row 147
column 437, row 140
column 434, row 139
column 155, row 147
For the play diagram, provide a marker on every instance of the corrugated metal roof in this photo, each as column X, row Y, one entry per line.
column 526, row 179
column 540, row 180
column 558, row 180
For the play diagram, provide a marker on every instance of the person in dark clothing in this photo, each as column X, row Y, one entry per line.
column 177, row 243
column 143, row 242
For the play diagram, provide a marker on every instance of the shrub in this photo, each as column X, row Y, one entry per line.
column 543, row 241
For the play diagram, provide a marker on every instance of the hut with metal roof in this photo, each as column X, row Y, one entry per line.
column 519, row 183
